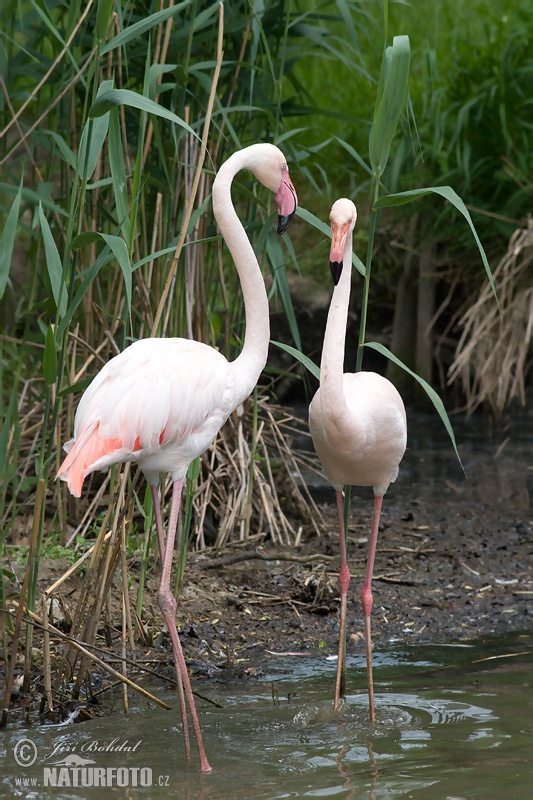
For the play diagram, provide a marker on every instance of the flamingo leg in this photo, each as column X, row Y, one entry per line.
column 158, row 521
column 366, row 599
column 344, row 582
column 161, row 547
column 167, row 604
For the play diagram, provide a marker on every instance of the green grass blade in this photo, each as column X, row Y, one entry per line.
column 354, row 154
column 449, row 194
column 104, row 257
column 69, row 155
column 119, row 249
column 103, row 16
column 280, row 284
column 93, row 138
column 53, row 265
column 118, row 173
column 431, row 393
column 138, row 29
column 299, row 356
column 394, row 80
column 118, row 97
column 7, row 240
column 50, row 357
column 29, row 196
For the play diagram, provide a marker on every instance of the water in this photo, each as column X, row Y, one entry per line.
column 452, row 722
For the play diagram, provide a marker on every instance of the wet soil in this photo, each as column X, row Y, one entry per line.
column 454, row 559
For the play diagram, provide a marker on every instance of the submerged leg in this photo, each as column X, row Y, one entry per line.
column 344, row 582
column 366, row 599
column 167, row 604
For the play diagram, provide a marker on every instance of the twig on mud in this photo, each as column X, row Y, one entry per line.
column 391, row 577
column 284, row 556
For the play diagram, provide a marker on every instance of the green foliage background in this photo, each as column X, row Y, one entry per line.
column 94, row 186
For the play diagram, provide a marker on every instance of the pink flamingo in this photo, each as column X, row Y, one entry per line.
column 161, row 402
column 358, row 426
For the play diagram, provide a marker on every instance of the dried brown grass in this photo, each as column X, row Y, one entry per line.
column 492, row 355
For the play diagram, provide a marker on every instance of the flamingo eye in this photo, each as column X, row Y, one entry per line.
column 283, row 167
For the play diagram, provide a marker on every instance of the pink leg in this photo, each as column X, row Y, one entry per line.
column 179, row 682
column 167, row 605
column 344, row 582
column 158, row 521
column 366, row 599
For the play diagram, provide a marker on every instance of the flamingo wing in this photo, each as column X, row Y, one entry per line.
column 147, row 404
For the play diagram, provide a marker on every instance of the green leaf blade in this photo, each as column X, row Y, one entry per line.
column 431, row 393
column 117, row 97
column 394, row 82
column 299, row 356
column 391, row 200
column 53, row 265
column 50, row 358
column 7, row 240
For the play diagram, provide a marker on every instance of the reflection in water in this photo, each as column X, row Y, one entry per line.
column 440, row 717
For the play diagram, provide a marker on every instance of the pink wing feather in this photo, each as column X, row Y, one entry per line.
column 148, row 401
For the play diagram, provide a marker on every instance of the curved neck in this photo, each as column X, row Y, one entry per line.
column 332, row 361
column 248, row 365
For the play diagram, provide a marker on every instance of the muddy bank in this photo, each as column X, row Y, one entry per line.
column 454, row 559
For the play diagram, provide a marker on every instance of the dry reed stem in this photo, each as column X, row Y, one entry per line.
column 86, row 653
column 491, row 358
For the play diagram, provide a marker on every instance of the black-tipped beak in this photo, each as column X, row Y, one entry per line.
column 287, row 201
column 336, row 271
column 284, row 222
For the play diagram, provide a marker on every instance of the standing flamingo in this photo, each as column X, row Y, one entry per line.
column 358, row 426
column 161, row 402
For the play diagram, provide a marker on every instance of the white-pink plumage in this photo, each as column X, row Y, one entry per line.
column 358, row 426
column 161, row 402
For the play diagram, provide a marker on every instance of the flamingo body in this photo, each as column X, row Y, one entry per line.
column 364, row 444
column 161, row 402
column 358, row 426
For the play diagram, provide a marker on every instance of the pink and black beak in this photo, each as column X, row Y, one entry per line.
column 339, row 234
column 287, row 201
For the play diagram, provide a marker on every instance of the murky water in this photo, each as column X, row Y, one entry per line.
column 452, row 722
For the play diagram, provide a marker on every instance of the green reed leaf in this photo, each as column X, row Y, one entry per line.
column 7, row 240
column 431, row 393
column 138, row 29
column 392, row 92
column 390, row 200
column 93, row 138
column 50, row 357
column 53, row 264
column 103, row 16
column 118, row 97
column 299, row 356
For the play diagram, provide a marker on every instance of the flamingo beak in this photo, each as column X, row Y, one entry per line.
column 339, row 234
column 287, row 201
column 336, row 271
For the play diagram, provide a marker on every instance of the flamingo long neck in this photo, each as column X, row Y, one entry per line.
column 332, row 361
column 249, row 364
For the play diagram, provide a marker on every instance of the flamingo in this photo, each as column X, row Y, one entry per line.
column 358, row 427
column 161, row 402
